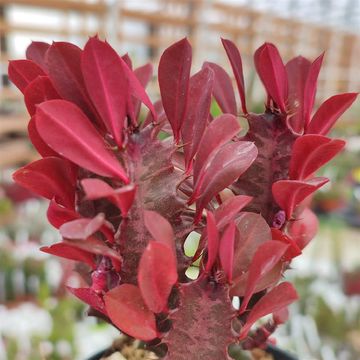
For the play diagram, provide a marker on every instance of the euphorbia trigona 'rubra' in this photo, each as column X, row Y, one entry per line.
column 125, row 201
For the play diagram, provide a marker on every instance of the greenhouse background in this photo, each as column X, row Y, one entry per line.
column 38, row 319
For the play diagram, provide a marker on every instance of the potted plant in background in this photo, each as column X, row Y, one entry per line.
column 126, row 193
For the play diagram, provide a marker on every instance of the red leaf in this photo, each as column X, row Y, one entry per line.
column 310, row 89
column 223, row 91
column 143, row 74
column 127, row 60
column 127, row 310
column 67, row 251
column 98, row 247
column 63, row 61
column 50, row 177
column 293, row 249
column 289, row 193
column 106, row 84
column 236, row 64
column 219, row 132
column 36, row 52
column 310, row 152
column 90, row 297
column 303, row 229
column 198, row 113
column 329, row 112
column 281, row 316
column 159, row 228
column 252, row 232
column 67, row 130
column 212, row 241
column 157, row 275
column 274, row 301
column 226, row 250
column 58, row 215
column 84, row 228
column 23, row 72
column 297, row 71
column 229, row 209
column 229, row 163
column 38, row 91
column 136, row 89
column 272, row 73
column 122, row 197
column 265, row 258
column 173, row 75
column 43, row 149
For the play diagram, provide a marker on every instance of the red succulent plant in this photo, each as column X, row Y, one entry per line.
column 125, row 201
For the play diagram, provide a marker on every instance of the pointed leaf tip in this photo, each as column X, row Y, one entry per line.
column 106, row 84
column 329, row 112
column 289, row 193
column 272, row 73
column 67, row 130
column 173, row 77
column 234, row 56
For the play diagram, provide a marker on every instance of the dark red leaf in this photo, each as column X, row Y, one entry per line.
column 38, row 91
column 297, row 71
column 143, row 74
column 127, row 60
column 83, row 228
column 173, row 75
column 23, row 72
column 67, row 251
column 106, row 84
column 212, row 241
column 228, row 164
column 90, row 297
column 310, row 89
column 137, row 90
column 50, row 177
column 252, row 232
column 63, row 61
column 265, row 258
column 157, row 275
column 43, row 149
column 223, row 90
column 303, row 229
column 219, row 132
column 274, row 301
column 226, row 250
column 98, row 247
column 310, row 152
column 229, row 209
column 329, row 112
column 293, row 249
column 198, row 113
column 67, row 130
column 159, row 228
column 236, row 64
column 122, row 197
column 58, row 215
column 272, row 73
column 127, row 310
column 289, row 193
column 36, row 52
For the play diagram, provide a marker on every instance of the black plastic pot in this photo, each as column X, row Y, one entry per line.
column 277, row 354
column 99, row 355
